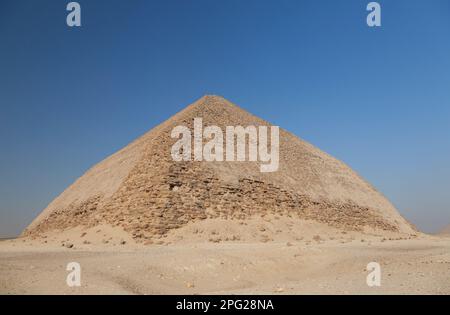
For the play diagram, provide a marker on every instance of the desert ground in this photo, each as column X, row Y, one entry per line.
column 259, row 259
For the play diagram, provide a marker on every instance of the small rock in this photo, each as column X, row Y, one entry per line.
column 317, row 238
column 189, row 285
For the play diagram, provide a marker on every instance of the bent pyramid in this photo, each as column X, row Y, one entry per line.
column 141, row 189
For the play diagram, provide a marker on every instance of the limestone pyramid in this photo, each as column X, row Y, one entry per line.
column 141, row 189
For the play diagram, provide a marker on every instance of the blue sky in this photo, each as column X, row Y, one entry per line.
column 376, row 98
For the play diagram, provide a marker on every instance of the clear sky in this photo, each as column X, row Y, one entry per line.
column 376, row 98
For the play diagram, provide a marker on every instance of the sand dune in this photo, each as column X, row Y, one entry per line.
column 445, row 231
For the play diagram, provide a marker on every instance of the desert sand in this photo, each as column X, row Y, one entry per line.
column 322, row 261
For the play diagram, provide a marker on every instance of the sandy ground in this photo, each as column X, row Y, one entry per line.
column 409, row 266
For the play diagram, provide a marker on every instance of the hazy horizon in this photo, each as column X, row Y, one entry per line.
column 374, row 98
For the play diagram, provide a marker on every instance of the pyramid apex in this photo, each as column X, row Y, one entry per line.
column 212, row 97
column 211, row 101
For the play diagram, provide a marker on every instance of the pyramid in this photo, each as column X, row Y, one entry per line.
column 145, row 192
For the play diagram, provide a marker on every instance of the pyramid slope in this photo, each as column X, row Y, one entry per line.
column 141, row 189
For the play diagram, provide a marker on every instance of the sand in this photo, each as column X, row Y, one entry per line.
column 309, row 266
